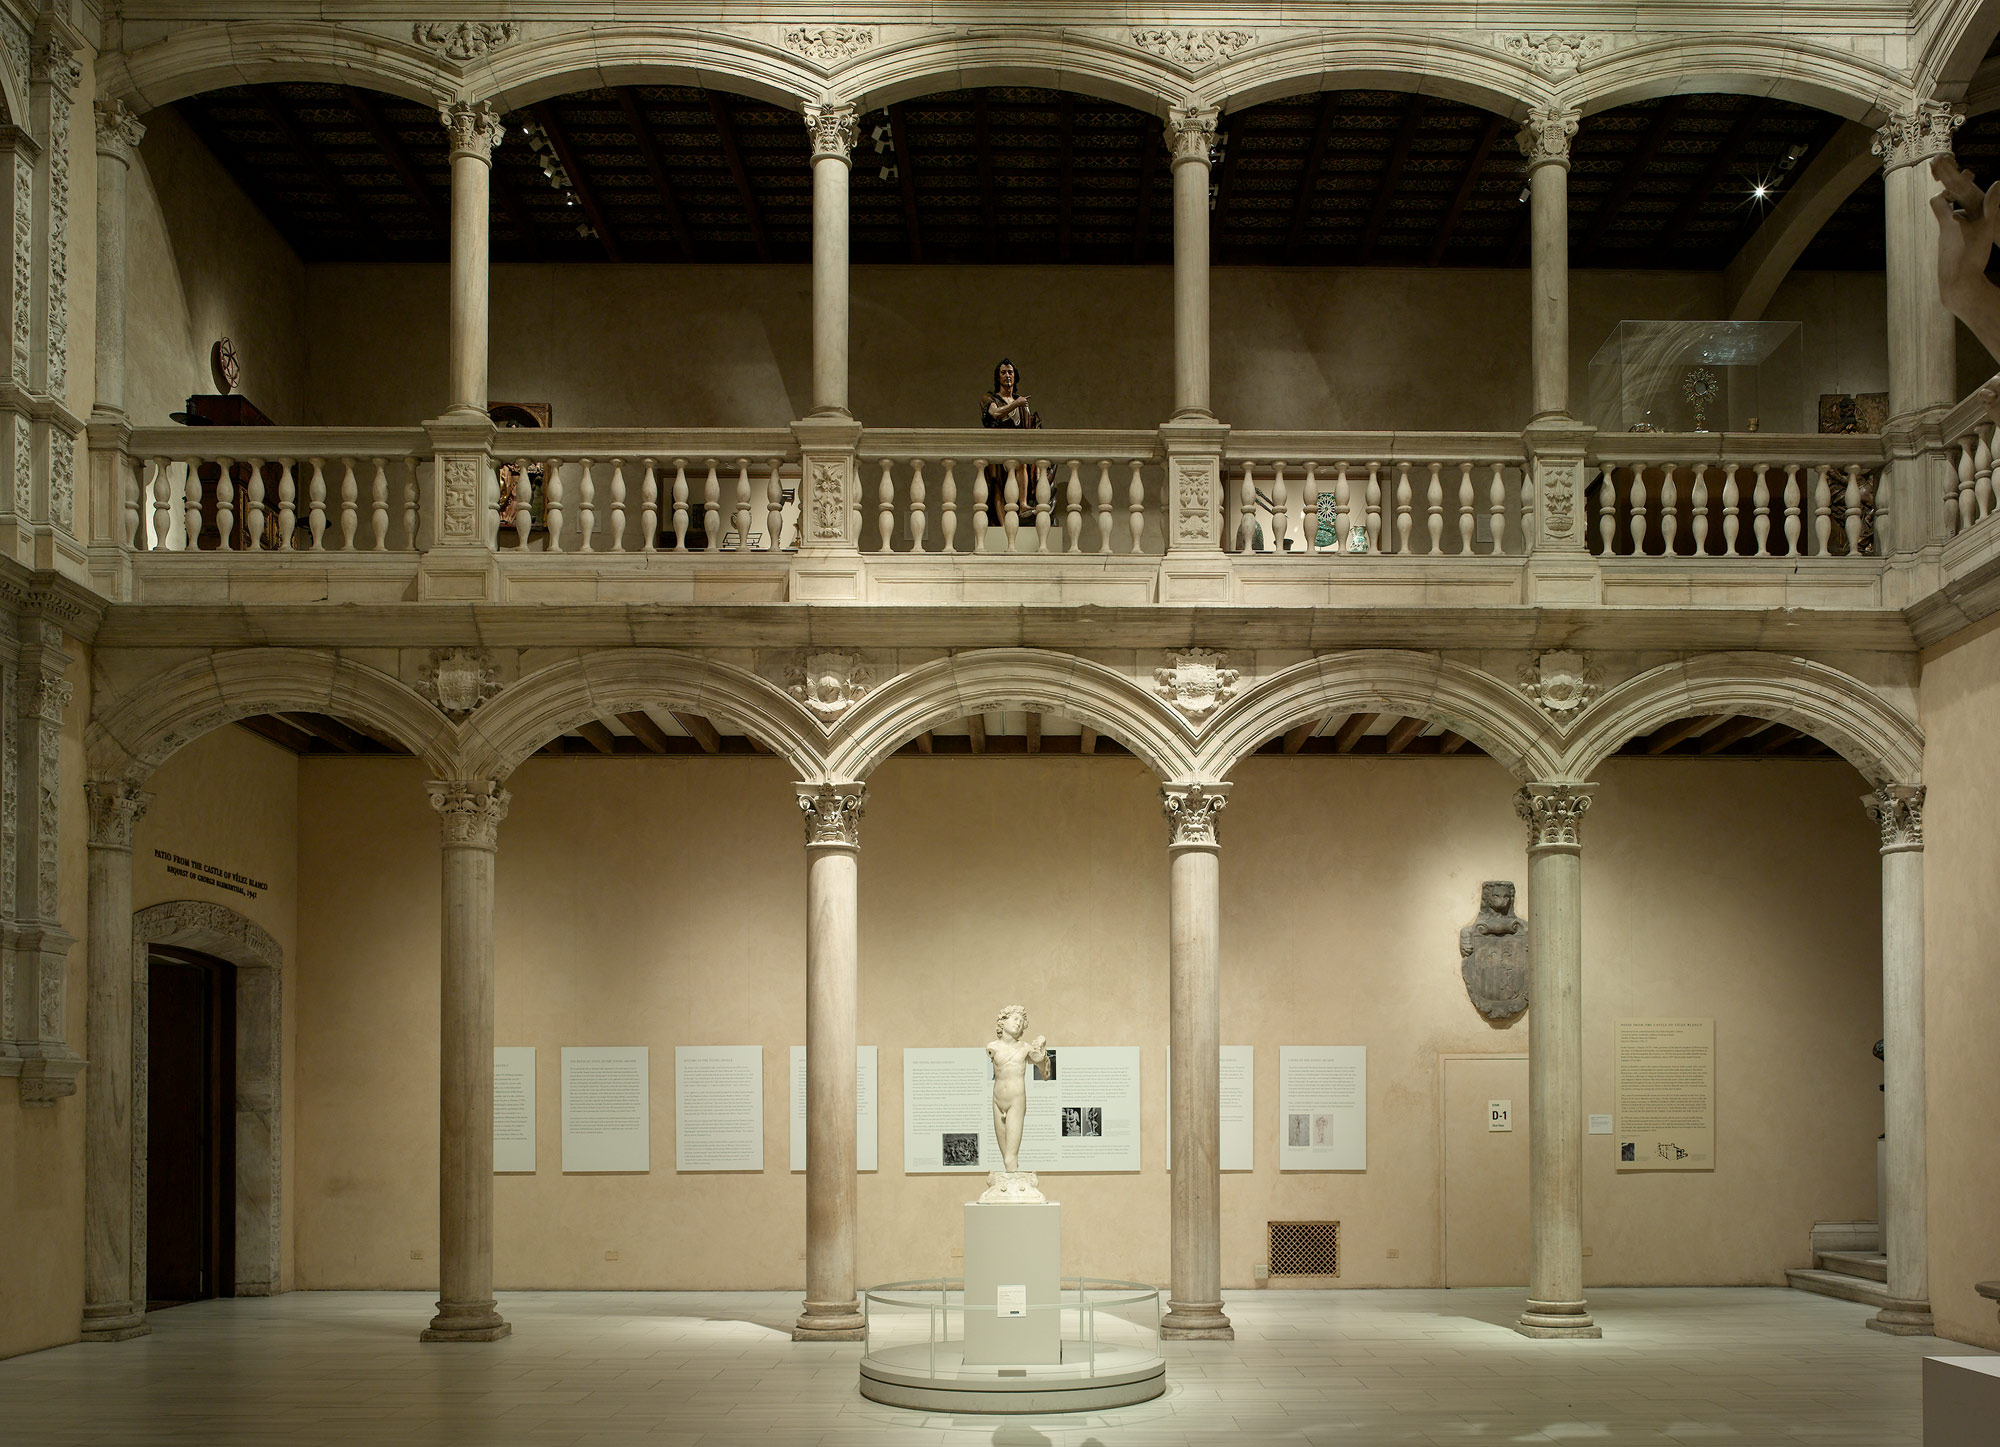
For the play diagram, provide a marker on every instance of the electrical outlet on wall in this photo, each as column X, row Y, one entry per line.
column 416, row 1256
column 611, row 1256
column 1395, row 1253
column 1261, row 1271
column 1586, row 1250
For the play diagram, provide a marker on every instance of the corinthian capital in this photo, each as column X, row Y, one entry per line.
column 1546, row 134
column 1191, row 811
column 116, row 805
column 1898, row 810
column 831, row 131
column 53, row 62
column 118, row 130
column 1917, row 134
column 474, row 127
column 470, row 811
column 1191, row 133
column 1552, row 813
column 833, row 813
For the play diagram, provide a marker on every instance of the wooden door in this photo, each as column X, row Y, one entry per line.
column 1485, row 1172
column 191, row 1128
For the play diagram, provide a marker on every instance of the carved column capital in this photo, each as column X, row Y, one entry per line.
column 470, row 811
column 1191, row 811
column 474, row 128
column 1553, row 814
column 833, row 814
column 1915, row 135
column 831, row 130
column 1898, row 811
column 53, row 62
column 1190, row 133
column 116, row 806
column 118, row 130
column 1546, row 134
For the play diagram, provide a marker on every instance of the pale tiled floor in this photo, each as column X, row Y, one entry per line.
column 1695, row 1366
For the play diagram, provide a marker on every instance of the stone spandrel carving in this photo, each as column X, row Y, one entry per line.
column 464, row 40
column 829, row 683
column 833, row 813
column 1192, row 49
column 827, row 45
column 1197, row 681
column 1557, row 54
column 1493, row 954
column 469, row 811
column 458, row 680
column 1561, row 682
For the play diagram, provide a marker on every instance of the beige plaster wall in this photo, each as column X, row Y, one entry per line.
column 1960, row 700
column 1293, row 347
column 202, row 263
column 231, row 799
column 1745, row 891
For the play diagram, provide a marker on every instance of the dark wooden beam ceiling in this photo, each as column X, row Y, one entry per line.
column 732, row 155
column 906, row 180
column 649, row 150
column 1468, row 182
column 586, row 194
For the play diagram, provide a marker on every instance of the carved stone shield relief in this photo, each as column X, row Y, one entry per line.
column 1493, row 952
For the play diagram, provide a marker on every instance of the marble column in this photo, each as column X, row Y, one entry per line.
column 1194, row 943
column 831, row 129
column 1191, row 140
column 470, row 811
column 832, row 1311
column 474, row 130
column 118, row 135
column 114, row 1304
column 1556, row 1307
column 1544, row 140
column 1899, row 811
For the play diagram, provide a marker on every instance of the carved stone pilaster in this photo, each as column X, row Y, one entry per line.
column 1190, row 132
column 833, row 814
column 1546, row 135
column 1911, row 137
column 118, row 130
column 1191, row 811
column 34, row 947
column 469, row 811
column 53, row 75
column 1898, row 811
column 473, row 127
column 1553, row 814
column 830, row 130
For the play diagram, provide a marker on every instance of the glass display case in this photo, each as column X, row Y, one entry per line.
column 1701, row 376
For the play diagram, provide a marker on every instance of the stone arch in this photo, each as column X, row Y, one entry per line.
column 1057, row 59
column 1836, row 81
column 625, row 53
column 262, row 52
column 552, row 700
column 133, row 733
column 216, row 929
column 1883, row 743
column 1956, row 46
column 1450, row 67
column 1418, row 685
column 1058, row 683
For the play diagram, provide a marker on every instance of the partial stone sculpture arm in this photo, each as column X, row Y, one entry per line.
column 1967, row 221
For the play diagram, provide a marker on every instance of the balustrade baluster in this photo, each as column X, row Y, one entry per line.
column 885, row 507
column 1607, row 511
column 680, row 505
column 378, row 503
column 225, row 505
column 981, row 498
column 948, row 509
column 1698, row 503
column 1343, row 507
column 1374, row 500
column 1982, row 470
column 350, row 498
column 1281, row 509
column 552, row 503
column 1760, row 501
column 409, row 503
column 1405, row 518
column 1243, row 537
column 191, row 505
column 1434, row 509
column 253, row 506
column 132, row 487
column 1636, row 501
column 1958, row 499
column 1135, row 505
column 1527, row 507
column 1670, row 519
column 316, row 504
column 1041, row 475
column 1073, row 509
column 288, row 518
column 649, row 507
column 1496, row 508
column 1851, row 497
column 586, row 505
column 1822, row 496
column 523, row 520
column 1465, row 508
column 740, row 516
column 1792, row 509
column 919, row 521
column 1309, row 508
column 1732, row 512
column 617, row 538
column 774, row 505
column 1104, row 505
column 711, row 508
column 1010, row 503
column 163, row 502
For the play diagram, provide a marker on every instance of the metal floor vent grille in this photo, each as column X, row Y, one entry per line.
column 1305, row 1248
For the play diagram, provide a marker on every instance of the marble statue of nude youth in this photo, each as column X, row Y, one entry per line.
column 1011, row 1057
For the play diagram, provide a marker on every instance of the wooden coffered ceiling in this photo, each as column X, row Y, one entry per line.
column 1014, row 174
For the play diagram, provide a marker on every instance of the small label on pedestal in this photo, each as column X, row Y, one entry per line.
column 1010, row 1300
column 1600, row 1125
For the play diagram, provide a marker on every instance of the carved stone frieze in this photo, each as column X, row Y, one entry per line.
column 831, row 130
column 464, row 40
column 1191, row 811
column 833, row 813
column 458, row 680
column 827, row 45
column 1917, row 134
column 1553, row 814
column 1557, row 54
column 1192, row 49
column 469, row 811
column 116, row 807
column 1561, row 682
column 1546, row 134
column 1197, row 681
column 1898, row 810
column 829, row 683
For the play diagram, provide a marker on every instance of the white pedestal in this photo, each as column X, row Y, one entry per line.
column 1013, row 1246
column 1961, row 1401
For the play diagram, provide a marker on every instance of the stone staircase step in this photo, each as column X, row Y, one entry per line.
column 1840, row 1284
column 1871, row 1264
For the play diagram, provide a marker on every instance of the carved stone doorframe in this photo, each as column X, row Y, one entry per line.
column 216, row 929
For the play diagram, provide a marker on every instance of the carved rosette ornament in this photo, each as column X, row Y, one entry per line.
column 1553, row 814
column 1190, row 132
column 1197, row 681
column 1556, row 54
column 458, row 680
column 465, row 39
column 829, row 683
column 827, row 45
column 1191, row 811
column 1916, row 135
column 474, row 127
column 1561, row 682
column 833, row 814
column 1192, row 49
column 116, row 806
column 1546, row 134
column 831, row 130
column 1558, row 493
column 1898, row 810
column 118, row 130
column 469, row 811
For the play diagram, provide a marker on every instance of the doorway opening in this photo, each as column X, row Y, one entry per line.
column 191, row 1127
